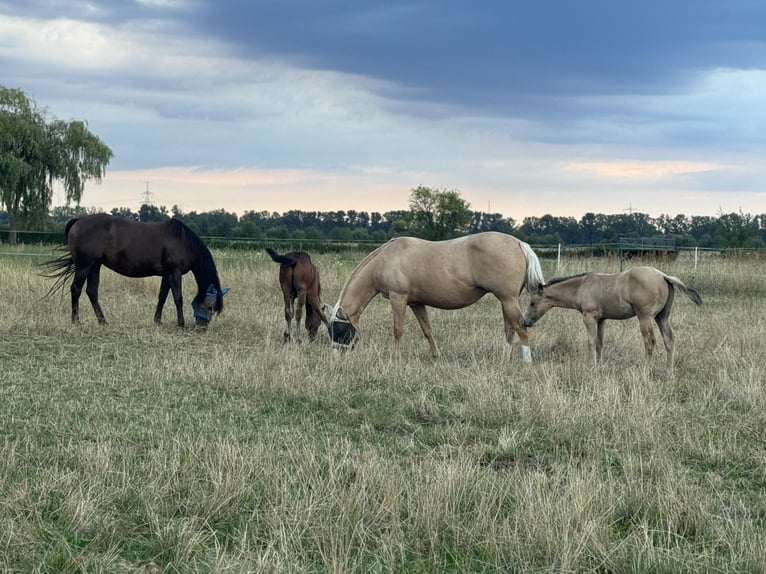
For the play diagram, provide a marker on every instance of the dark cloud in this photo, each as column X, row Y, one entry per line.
column 501, row 55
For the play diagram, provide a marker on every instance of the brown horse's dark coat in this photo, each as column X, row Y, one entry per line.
column 301, row 288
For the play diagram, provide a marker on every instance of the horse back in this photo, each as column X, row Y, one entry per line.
column 128, row 247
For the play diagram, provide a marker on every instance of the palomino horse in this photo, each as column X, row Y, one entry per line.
column 448, row 274
column 299, row 280
column 168, row 249
column 644, row 292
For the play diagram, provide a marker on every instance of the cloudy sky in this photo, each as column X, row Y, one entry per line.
column 526, row 107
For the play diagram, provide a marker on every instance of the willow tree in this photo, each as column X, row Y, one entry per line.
column 37, row 152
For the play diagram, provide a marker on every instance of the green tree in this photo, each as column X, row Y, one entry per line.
column 36, row 153
column 437, row 214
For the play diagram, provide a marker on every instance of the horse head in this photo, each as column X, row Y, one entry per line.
column 537, row 307
column 342, row 332
column 203, row 310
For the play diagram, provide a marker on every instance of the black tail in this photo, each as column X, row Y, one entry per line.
column 62, row 267
column 284, row 260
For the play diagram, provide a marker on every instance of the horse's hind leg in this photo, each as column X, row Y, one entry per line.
column 80, row 276
column 513, row 320
column 94, row 277
column 663, row 322
column 288, row 315
column 163, row 295
column 421, row 313
column 298, row 314
column 647, row 332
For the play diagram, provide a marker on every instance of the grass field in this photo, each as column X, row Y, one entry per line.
column 137, row 448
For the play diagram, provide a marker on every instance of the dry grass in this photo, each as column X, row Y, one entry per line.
column 133, row 448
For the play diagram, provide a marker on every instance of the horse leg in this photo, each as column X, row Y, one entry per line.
column 175, row 286
column 76, row 289
column 663, row 322
column 421, row 313
column 599, row 338
column 298, row 316
column 398, row 308
column 313, row 298
column 94, row 277
column 647, row 332
column 591, row 327
column 163, row 295
column 288, row 298
column 513, row 320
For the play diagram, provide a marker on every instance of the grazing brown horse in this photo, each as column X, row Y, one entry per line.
column 299, row 280
column 642, row 292
column 168, row 249
column 450, row 274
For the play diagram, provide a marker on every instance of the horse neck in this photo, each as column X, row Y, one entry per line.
column 206, row 274
column 564, row 294
column 358, row 290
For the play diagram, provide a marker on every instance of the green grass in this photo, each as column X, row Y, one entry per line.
column 130, row 447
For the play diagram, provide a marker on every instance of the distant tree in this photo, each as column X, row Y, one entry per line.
column 149, row 212
column 125, row 213
column 36, row 153
column 437, row 214
column 738, row 230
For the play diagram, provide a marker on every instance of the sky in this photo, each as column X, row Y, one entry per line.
column 525, row 107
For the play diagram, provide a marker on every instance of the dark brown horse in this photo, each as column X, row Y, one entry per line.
column 642, row 292
column 299, row 280
column 168, row 249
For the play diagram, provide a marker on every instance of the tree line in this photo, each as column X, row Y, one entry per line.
column 730, row 230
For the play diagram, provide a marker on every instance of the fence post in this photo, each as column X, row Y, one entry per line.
column 558, row 258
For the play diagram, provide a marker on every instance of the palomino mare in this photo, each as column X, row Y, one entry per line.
column 299, row 280
column 644, row 292
column 168, row 249
column 448, row 274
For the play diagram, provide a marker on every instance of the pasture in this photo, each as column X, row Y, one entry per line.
column 136, row 448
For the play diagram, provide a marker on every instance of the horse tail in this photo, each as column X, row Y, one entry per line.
column 534, row 277
column 282, row 259
column 61, row 269
column 676, row 283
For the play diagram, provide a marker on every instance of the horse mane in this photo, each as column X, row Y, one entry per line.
column 204, row 269
column 567, row 278
column 359, row 268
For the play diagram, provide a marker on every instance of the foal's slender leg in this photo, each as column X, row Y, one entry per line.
column 513, row 320
column 313, row 298
column 591, row 327
column 663, row 322
column 421, row 313
column 162, row 297
column 298, row 316
column 288, row 298
column 94, row 276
